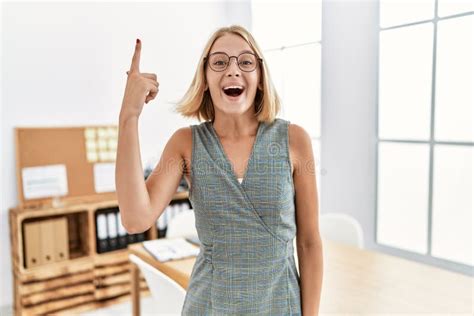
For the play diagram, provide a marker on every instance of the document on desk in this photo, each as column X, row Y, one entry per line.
column 165, row 249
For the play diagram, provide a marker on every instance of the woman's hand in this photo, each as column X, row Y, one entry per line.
column 141, row 87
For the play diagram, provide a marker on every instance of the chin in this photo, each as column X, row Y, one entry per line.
column 234, row 108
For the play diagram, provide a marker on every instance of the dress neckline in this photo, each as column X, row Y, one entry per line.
column 250, row 159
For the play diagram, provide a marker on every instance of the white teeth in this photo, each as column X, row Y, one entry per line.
column 233, row 87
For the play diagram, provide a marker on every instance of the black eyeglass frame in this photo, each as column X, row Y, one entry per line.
column 206, row 59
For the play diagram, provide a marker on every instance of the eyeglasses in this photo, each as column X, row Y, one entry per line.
column 220, row 61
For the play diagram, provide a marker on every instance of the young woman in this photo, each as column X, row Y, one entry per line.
column 252, row 184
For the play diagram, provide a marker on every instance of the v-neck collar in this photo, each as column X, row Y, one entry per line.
column 249, row 161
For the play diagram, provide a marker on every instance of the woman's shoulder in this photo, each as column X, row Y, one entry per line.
column 181, row 142
column 183, row 135
column 297, row 131
column 299, row 141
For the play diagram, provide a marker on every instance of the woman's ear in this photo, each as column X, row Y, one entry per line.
column 260, row 86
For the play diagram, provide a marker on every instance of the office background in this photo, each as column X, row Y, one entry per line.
column 63, row 64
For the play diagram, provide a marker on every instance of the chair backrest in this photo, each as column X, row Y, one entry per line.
column 182, row 225
column 168, row 294
column 342, row 228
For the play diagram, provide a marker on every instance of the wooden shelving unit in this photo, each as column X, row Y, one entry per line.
column 84, row 280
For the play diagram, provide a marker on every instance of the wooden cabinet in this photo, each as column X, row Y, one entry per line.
column 55, row 262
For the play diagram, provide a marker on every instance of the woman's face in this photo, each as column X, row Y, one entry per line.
column 219, row 82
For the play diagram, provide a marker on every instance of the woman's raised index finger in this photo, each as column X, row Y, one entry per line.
column 136, row 57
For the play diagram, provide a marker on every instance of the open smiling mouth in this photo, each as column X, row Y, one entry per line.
column 233, row 91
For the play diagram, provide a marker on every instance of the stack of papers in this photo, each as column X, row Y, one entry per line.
column 165, row 249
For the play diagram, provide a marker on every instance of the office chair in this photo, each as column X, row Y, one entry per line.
column 342, row 228
column 168, row 295
column 182, row 225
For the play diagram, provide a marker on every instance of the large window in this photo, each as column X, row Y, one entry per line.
column 289, row 34
column 425, row 128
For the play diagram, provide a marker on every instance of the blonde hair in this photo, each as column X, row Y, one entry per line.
column 197, row 102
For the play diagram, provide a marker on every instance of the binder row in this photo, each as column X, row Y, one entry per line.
column 110, row 233
column 45, row 241
column 168, row 214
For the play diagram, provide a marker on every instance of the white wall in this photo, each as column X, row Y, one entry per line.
column 64, row 64
column 348, row 106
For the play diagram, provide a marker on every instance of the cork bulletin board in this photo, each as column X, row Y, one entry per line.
column 65, row 164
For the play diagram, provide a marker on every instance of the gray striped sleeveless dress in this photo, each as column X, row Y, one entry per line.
column 246, row 264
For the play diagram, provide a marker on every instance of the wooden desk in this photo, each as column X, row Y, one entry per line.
column 362, row 281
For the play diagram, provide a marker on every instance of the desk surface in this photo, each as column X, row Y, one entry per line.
column 364, row 281
column 178, row 270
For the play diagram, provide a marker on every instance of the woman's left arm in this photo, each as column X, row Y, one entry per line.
column 308, row 240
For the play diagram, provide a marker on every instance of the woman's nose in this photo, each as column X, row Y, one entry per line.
column 233, row 67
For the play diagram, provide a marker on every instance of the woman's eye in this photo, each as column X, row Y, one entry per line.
column 247, row 62
column 219, row 63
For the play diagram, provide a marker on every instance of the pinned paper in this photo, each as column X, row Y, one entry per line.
column 102, row 132
column 101, row 144
column 91, row 144
column 92, row 156
column 44, row 181
column 89, row 133
column 113, row 133
column 103, row 155
column 111, row 155
column 112, row 144
column 104, row 177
